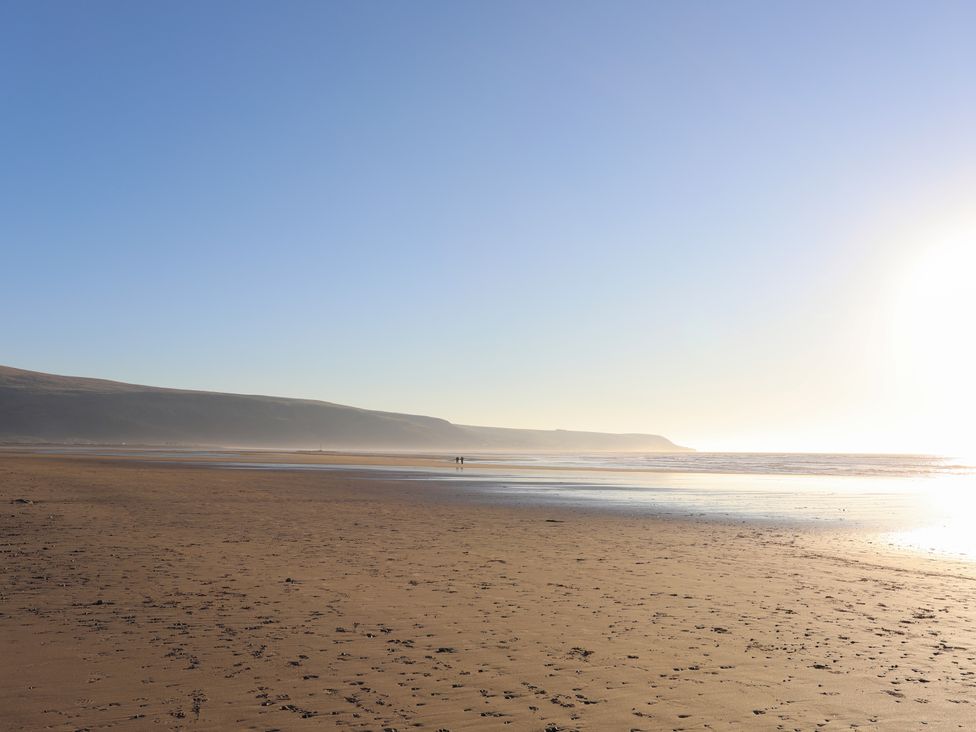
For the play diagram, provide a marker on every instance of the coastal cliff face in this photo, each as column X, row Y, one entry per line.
column 39, row 407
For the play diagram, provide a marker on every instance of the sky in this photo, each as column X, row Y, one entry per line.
column 745, row 226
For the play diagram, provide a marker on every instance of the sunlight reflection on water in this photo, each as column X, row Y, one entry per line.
column 946, row 518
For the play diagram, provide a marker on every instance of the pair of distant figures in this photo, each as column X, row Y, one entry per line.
column 459, row 460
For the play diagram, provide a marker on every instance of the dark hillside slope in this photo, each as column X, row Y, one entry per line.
column 38, row 407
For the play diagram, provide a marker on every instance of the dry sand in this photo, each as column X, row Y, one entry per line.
column 138, row 596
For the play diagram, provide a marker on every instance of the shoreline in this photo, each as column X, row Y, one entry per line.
column 643, row 492
column 141, row 596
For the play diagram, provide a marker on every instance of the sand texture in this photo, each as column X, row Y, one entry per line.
column 137, row 596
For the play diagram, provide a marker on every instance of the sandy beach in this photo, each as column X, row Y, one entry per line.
column 164, row 596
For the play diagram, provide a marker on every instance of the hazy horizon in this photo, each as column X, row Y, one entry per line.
column 684, row 449
column 744, row 227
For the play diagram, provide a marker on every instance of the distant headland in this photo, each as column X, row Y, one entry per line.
column 47, row 408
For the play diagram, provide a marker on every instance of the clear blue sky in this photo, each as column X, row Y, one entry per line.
column 676, row 217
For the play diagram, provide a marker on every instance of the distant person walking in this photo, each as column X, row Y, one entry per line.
column 462, row 460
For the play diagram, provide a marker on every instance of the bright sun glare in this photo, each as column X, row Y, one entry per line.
column 935, row 345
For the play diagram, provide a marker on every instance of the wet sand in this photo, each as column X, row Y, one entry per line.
column 140, row 596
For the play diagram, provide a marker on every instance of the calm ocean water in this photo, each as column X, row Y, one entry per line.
column 866, row 465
